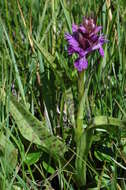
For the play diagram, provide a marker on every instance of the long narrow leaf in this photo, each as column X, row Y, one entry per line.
column 34, row 130
column 14, row 63
column 46, row 54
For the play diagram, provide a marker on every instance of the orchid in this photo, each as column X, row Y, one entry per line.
column 84, row 40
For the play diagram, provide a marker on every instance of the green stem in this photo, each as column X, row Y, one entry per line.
column 82, row 138
column 79, row 121
column 83, row 147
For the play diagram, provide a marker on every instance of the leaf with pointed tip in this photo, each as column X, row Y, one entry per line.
column 35, row 131
column 48, row 168
column 32, row 158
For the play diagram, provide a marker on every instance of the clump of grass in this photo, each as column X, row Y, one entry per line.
column 39, row 97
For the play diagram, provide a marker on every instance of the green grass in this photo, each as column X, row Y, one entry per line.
column 39, row 98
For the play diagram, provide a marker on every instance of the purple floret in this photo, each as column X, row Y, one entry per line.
column 84, row 40
column 80, row 64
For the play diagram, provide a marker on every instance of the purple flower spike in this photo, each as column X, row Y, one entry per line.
column 74, row 28
column 101, row 51
column 84, row 40
column 81, row 64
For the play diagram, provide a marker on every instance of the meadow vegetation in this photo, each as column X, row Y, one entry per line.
column 39, row 90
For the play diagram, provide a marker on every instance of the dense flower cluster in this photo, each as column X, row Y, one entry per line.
column 84, row 40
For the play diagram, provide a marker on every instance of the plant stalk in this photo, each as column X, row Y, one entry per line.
column 83, row 147
column 83, row 137
column 80, row 135
column 80, row 112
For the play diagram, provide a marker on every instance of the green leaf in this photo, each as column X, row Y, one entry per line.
column 83, row 147
column 14, row 63
column 1, row 34
column 101, row 156
column 32, row 158
column 107, row 121
column 48, row 168
column 46, row 54
column 35, row 131
column 8, row 154
column 67, row 15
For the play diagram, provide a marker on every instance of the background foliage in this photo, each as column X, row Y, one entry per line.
column 37, row 148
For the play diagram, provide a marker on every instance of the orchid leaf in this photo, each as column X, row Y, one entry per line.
column 8, row 154
column 35, row 131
